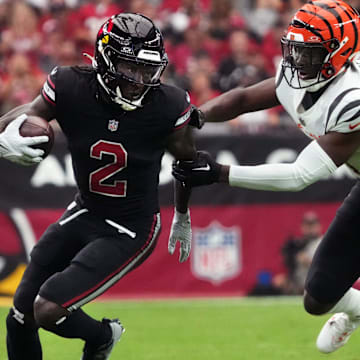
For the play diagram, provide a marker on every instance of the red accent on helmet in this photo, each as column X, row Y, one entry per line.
column 110, row 25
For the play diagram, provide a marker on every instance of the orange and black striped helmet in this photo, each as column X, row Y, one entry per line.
column 321, row 40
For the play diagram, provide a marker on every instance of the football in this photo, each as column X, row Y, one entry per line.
column 37, row 126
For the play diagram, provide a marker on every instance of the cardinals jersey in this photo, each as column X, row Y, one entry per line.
column 116, row 154
column 336, row 110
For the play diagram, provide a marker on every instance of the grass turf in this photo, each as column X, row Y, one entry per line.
column 211, row 329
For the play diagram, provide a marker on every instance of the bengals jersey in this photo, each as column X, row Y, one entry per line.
column 336, row 110
column 116, row 154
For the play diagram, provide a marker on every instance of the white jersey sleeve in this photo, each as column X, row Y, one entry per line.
column 344, row 112
column 312, row 164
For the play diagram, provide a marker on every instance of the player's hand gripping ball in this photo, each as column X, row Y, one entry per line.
column 37, row 126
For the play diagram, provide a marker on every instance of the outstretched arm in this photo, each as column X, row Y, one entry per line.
column 238, row 101
column 317, row 161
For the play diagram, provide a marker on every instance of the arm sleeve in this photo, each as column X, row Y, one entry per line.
column 344, row 112
column 312, row 164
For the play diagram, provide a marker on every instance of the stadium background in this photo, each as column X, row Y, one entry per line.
column 213, row 46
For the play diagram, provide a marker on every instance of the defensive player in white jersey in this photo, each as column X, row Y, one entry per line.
column 318, row 83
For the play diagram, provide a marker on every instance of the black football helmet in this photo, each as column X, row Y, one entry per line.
column 129, row 58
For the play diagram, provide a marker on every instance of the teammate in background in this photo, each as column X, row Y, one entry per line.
column 318, row 83
column 118, row 119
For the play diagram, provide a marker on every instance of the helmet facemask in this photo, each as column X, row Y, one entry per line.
column 309, row 61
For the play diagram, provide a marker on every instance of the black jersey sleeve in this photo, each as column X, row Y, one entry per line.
column 183, row 109
column 48, row 91
column 69, row 89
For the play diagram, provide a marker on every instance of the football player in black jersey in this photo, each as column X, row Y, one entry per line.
column 118, row 119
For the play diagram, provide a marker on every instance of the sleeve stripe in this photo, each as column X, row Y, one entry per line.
column 336, row 102
column 50, row 82
column 355, row 116
column 182, row 125
column 184, row 117
column 186, row 110
column 49, row 92
column 351, row 106
column 47, row 98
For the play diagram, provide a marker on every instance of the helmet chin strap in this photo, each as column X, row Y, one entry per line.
column 321, row 84
column 126, row 104
column 316, row 86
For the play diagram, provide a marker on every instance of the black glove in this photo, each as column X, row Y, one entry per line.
column 202, row 171
column 197, row 117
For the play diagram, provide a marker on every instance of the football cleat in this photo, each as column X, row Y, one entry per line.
column 336, row 332
column 103, row 352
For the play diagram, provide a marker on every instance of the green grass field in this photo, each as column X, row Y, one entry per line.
column 211, row 329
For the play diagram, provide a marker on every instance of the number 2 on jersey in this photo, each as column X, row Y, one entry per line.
column 97, row 177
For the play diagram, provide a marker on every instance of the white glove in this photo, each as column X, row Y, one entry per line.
column 17, row 148
column 181, row 231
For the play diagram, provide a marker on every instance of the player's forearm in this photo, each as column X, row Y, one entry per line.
column 12, row 114
column 182, row 197
column 312, row 165
column 238, row 101
column 224, row 107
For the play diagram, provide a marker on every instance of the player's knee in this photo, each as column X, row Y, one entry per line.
column 16, row 320
column 314, row 307
column 47, row 313
column 13, row 322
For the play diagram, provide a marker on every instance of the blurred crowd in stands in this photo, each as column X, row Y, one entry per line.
column 213, row 45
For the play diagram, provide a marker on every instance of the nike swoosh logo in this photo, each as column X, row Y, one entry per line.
column 352, row 127
column 204, row 168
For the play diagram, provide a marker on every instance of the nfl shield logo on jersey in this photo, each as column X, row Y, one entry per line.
column 113, row 125
column 216, row 253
